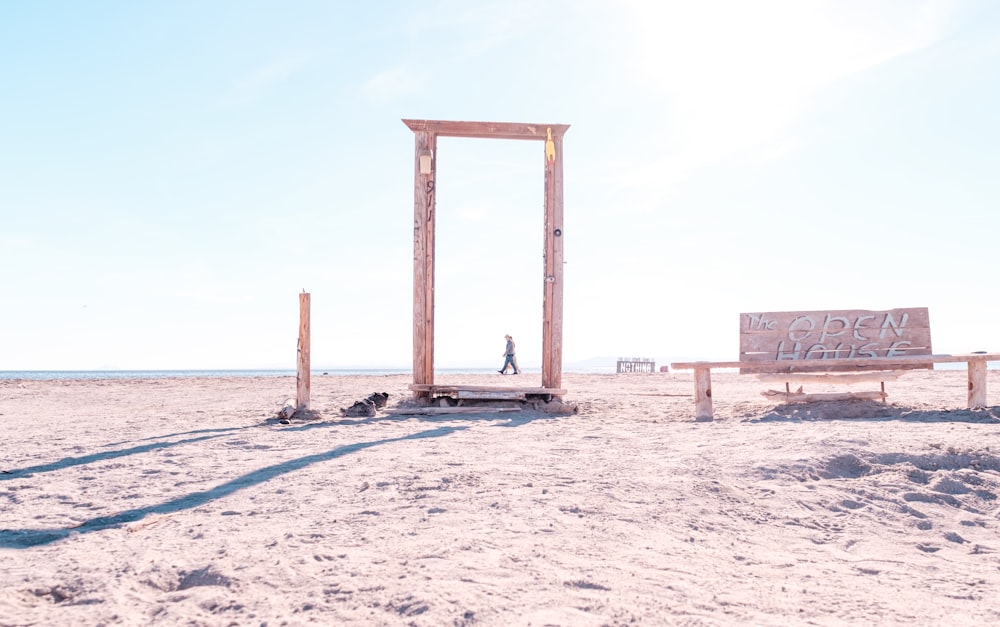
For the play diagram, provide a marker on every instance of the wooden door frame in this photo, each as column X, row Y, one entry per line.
column 426, row 133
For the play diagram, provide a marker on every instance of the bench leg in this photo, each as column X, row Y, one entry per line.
column 702, row 394
column 977, row 383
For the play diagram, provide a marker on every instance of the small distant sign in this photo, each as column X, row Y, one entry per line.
column 635, row 364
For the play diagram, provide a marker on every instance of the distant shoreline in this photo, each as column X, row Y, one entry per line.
column 59, row 375
column 95, row 375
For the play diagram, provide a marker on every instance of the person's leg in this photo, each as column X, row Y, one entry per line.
column 509, row 361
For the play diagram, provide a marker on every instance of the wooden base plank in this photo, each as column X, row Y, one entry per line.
column 433, row 411
column 829, row 377
column 491, row 395
column 800, row 397
column 455, row 389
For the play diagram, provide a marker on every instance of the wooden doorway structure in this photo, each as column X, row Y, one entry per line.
column 426, row 133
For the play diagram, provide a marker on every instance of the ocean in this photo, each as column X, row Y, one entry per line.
column 49, row 375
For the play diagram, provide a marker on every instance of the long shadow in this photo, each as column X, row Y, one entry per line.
column 196, row 431
column 75, row 461
column 504, row 419
column 66, row 462
column 875, row 412
column 25, row 538
column 512, row 419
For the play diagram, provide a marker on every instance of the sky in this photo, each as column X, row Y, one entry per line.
column 174, row 174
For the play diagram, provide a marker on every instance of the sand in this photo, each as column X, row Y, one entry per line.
column 185, row 502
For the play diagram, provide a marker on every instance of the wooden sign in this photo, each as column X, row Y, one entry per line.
column 799, row 336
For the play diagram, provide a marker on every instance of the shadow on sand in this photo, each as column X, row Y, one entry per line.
column 25, row 538
column 67, row 462
column 874, row 411
column 502, row 419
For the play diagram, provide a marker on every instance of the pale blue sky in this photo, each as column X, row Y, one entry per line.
column 173, row 174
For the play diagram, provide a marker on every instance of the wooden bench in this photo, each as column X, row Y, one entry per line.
column 844, row 346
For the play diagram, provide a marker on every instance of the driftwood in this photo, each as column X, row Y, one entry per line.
column 288, row 409
column 801, row 397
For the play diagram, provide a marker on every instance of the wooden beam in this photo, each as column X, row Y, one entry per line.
column 486, row 130
column 302, row 372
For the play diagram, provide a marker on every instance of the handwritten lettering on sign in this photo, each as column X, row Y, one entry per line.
column 829, row 335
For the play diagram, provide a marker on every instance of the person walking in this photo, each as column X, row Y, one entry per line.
column 509, row 359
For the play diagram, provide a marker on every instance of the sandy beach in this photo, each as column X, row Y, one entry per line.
column 186, row 502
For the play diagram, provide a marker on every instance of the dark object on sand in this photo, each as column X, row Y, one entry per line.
column 367, row 407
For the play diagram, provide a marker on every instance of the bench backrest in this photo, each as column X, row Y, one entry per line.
column 810, row 336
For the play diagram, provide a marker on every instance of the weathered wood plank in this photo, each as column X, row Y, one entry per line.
column 497, row 395
column 454, row 389
column 772, row 347
column 800, row 336
column 830, row 377
column 868, row 320
column 486, row 130
column 799, row 397
column 449, row 410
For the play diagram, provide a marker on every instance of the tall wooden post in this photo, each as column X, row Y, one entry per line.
column 423, row 258
column 552, row 293
column 302, row 379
